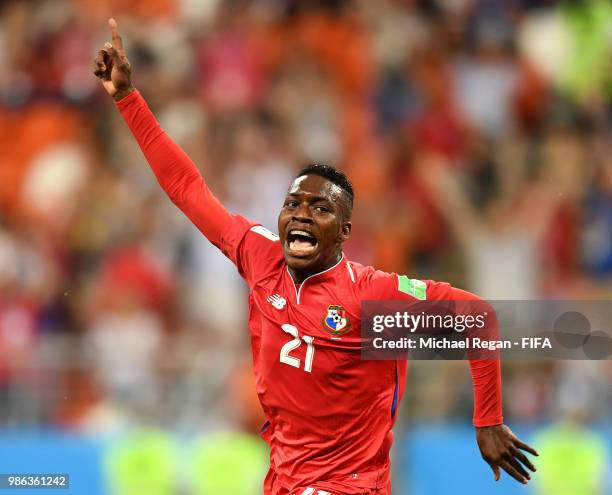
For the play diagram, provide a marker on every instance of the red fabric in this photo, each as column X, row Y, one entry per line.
column 486, row 377
column 329, row 412
column 178, row 175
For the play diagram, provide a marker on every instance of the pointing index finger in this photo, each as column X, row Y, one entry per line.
column 117, row 42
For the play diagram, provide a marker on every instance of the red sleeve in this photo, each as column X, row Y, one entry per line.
column 486, row 374
column 181, row 179
column 259, row 255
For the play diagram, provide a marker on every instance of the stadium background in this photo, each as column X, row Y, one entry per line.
column 476, row 132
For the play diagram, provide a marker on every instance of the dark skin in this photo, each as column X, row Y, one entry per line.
column 320, row 209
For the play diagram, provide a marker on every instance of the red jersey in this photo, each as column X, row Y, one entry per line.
column 329, row 413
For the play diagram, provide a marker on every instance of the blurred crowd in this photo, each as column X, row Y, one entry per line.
column 477, row 134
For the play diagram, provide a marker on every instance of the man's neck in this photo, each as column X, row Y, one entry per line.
column 299, row 276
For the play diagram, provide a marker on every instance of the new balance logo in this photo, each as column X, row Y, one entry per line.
column 277, row 301
column 310, row 491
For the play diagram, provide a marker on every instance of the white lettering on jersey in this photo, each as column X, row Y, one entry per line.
column 261, row 230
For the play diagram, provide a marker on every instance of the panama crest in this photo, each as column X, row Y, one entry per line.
column 336, row 320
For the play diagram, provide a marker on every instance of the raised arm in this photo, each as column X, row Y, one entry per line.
column 175, row 171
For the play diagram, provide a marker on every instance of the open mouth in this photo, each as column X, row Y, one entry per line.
column 301, row 243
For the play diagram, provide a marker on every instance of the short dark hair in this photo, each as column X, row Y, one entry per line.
column 335, row 176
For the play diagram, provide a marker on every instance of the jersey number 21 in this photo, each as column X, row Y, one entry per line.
column 286, row 358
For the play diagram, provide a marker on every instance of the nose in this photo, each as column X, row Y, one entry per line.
column 302, row 214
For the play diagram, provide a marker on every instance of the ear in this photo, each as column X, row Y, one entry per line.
column 345, row 231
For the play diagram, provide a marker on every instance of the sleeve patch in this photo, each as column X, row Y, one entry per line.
column 261, row 230
column 413, row 287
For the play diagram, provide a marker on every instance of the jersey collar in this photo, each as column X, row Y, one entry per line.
column 318, row 277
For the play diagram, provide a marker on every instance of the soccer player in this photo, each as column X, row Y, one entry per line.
column 329, row 413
